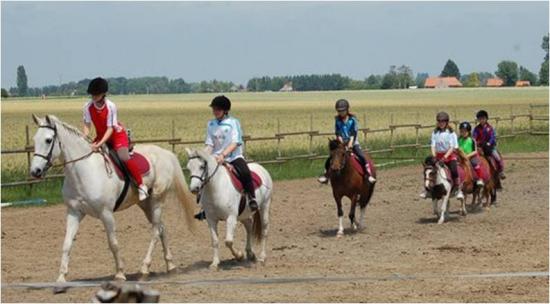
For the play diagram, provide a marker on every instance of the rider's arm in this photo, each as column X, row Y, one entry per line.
column 229, row 149
column 106, row 137
column 454, row 145
column 432, row 144
column 351, row 141
column 208, row 149
column 86, row 128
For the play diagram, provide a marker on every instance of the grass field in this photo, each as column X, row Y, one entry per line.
column 262, row 114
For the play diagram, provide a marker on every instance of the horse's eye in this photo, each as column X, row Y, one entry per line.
column 203, row 167
column 48, row 141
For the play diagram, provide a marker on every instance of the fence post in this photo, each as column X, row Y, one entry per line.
column 310, row 134
column 512, row 118
column 391, row 133
column 530, row 119
column 278, row 137
column 173, row 136
column 417, row 135
column 365, row 126
column 27, row 144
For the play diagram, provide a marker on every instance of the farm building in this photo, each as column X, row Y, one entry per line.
column 442, row 82
column 287, row 87
column 494, row 82
column 523, row 83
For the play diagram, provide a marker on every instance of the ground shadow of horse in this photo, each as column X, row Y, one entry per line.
column 325, row 233
column 453, row 217
column 196, row 266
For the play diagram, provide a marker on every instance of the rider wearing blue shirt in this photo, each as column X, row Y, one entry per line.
column 346, row 129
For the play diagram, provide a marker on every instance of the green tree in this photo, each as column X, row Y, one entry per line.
column 374, row 82
column 543, row 72
column 450, row 70
column 421, row 79
column 5, row 93
column 473, row 80
column 22, row 86
column 525, row 74
column 404, row 77
column 508, row 72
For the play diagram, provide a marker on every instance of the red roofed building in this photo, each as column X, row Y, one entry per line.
column 494, row 82
column 523, row 83
column 442, row 82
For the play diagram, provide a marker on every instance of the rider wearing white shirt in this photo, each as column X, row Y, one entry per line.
column 224, row 141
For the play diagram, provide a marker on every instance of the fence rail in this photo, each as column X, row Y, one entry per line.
column 310, row 155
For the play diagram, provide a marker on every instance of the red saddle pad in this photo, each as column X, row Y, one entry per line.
column 143, row 164
column 256, row 180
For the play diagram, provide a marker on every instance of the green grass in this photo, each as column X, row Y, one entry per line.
column 295, row 169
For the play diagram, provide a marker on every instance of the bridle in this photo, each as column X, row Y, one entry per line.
column 347, row 154
column 48, row 158
column 431, row 179
column 204, row 178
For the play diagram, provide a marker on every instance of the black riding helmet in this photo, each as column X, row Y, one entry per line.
column 465, row 126
column 482, row 113
column 221, row 102
column 98, row 86
column 341, row 105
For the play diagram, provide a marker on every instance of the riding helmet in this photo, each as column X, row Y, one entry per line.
column 342, row 105
column 442, row 116
column 98, row 86
column 221, row 102
column 482, row 113
column 465, row 125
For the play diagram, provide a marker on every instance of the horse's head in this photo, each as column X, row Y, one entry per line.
column 46, row 145
column 338, row 155
column 430, row 172
column 198, row 166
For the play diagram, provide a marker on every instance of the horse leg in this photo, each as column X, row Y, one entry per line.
column 229, row 235
column 265, row 229
column 213, row 226
column 434, row 206
column 443, row 210
column 463, row 211
column 249, row 236
column 109, row 222
column 73, row 221
column 340, row 232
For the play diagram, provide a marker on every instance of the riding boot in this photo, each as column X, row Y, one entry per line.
column 201, row 215
column 323, row 179
column 368, row 174
column 479, row 174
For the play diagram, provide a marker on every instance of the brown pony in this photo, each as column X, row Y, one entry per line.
column 495, row 181
column 347, row 181
column 468, row 186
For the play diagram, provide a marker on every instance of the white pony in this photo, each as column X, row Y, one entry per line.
column 91, row 188
column 220, row 201
column 439, row 186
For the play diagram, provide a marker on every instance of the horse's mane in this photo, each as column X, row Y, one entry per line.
column 462, row 158
column 333, row 144
column 70, row 129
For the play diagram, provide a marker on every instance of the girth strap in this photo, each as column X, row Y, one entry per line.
column 118, row 162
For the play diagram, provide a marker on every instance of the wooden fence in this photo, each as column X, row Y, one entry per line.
column 392, row 130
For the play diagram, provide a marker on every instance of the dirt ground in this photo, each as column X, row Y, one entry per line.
column 401, row 238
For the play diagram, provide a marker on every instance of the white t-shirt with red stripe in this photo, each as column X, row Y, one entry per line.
column 102, row 117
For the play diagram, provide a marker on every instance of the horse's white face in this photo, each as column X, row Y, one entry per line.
column 197, row 169
column 46, row 148
column 427, row 173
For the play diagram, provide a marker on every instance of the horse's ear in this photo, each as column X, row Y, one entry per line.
column 37, row 120
column 49, row 120
column 188, row 151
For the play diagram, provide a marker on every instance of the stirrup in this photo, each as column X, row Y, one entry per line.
column 323, row 179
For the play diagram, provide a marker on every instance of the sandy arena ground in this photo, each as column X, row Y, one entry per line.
column 401, row 239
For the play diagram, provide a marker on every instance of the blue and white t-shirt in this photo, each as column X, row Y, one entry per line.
column 347, row 129
column 444, row 140
column 220, row 134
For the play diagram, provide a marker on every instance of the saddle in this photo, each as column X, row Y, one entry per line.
column 461, row 174
column 123, row 173
column 485, row 171
column 360, row 168
column 237, row 183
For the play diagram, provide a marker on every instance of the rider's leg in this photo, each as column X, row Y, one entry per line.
column 359, row 152
column 500, row 162
column 453, row 166
column 477, row 169
column 133, row 168
column 323, row 179
column 244, row 173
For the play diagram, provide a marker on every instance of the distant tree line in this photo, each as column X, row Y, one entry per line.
column 398, row 77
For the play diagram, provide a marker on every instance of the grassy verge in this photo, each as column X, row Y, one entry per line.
column 294, row 169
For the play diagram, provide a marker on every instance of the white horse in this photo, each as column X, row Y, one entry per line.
column 220, row 201
column 91, row 188
column 439, row 188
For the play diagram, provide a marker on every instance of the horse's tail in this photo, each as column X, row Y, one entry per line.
column 257, row 225
column 183, row 195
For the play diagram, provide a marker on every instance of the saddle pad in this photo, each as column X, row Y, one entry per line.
column 142, row 162
column 357, row 165
column 485, row 171
column 256, row 180
column 461, row 174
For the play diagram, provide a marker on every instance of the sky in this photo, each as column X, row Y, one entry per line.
column 235, row 41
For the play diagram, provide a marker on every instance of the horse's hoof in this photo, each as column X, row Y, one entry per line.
column 214, row 267
column 441, row 221
column 262, row 261
column 120, row 277
column 339, row 234
column 171, row 267
column 239, row 256
column 251, row 257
